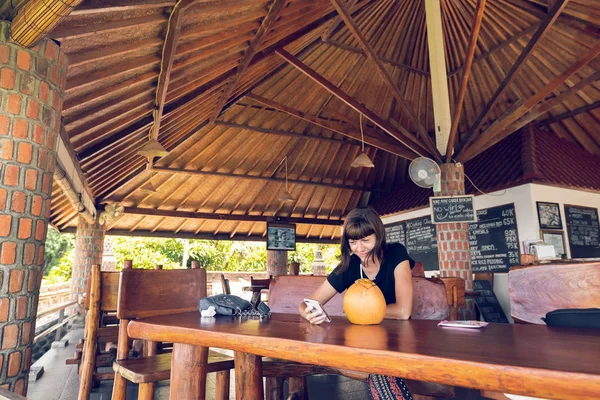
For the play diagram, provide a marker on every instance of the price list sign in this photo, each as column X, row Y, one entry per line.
column 395, row 233
column 421, row 242
column 493, row 239
column 583, row 231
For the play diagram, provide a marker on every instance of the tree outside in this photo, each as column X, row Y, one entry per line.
column 230, row 256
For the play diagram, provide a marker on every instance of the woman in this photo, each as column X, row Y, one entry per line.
column 366, row 255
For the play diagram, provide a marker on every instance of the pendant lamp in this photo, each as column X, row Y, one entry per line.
column 286, row 196
column 152, row 148
column 148, row 187
column 363, row 160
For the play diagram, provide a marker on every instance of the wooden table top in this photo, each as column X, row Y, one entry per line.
column 522, row 359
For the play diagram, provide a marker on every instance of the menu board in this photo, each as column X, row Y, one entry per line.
column 452, row 209
column 421, row 242
column 395, row 233
column 493, row 240
column 583, row 231
column 487, row 302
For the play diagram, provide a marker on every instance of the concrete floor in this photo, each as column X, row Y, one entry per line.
column 61, row 382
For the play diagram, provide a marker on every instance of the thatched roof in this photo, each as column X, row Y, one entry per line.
column 235, row 105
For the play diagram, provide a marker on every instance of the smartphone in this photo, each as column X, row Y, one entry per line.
column 315, row 304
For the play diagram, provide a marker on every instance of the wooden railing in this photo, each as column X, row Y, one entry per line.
column 62, row 320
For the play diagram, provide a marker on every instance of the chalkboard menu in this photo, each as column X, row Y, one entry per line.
column 493, row 239
column 421, row 242
column 395, row 233
column 583, row 231
column 452, row 209
column 419, row 238
column 487, row 302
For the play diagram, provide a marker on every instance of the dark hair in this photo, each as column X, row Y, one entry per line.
column 360, row 223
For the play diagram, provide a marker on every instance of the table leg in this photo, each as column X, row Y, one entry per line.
column 255, row 300
column 248, row 376
column 188, row 372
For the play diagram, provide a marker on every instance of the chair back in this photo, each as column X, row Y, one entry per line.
column 286, row 292
column 266, row 282
column 109, row 288
column 146, row 293
column 225, row 284
column 537, row 290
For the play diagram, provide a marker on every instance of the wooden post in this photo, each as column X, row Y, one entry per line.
column 91, row 334
column 222, row 385
column 195, row 264
column 248, row 376
column 297, row 387
column 61, row 317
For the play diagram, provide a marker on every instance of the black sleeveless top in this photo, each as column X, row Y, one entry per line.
column 393, row 255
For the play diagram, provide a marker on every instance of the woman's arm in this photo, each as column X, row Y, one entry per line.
column 404, row 293
column 323, row 294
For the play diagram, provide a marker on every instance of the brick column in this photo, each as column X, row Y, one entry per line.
column 277, row 261
column 453, row 238
column 89, row 246
column 32, row 85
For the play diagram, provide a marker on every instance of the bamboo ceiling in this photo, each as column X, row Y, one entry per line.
column 245, row 83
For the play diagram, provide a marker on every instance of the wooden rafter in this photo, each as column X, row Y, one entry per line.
column 521, row 60
column 497, row 131
column 570, row 114
column 336, row 21
column 464, row 79
column 192, row 172
column 261, row 33
column 553, row 102
column 364, row 44
column 371, row 140
column 166, row 64
column 403, row 137
column 226, row 217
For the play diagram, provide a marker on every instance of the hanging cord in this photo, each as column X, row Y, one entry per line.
column 362, row 135
column 481, row 191
column 286, row 175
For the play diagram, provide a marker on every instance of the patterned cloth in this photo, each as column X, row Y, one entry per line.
column 384, row 387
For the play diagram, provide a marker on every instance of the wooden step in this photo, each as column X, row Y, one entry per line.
column 158, row 368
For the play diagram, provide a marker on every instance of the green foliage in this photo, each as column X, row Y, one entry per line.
column 63, row 270
column 57, row 245
column 146, row 253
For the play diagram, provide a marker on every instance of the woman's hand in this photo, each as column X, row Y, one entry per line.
column 313, row 315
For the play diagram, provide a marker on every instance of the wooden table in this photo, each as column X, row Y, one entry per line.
column 534, row 360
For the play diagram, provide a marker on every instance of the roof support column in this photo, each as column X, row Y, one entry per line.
column 439, row 79
column 277, row 261
column 32, row 85
column 454, row 252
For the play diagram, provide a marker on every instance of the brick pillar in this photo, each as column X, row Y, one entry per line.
column 277, row 261
column 89, row 246
column 32, row 85
column 453, row 238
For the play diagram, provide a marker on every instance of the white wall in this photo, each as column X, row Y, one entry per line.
column 524, row 198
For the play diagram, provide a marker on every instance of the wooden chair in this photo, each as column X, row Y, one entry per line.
column 146, row 293
column 257, row 295
column 225, row 284
column 432, row 299
column 101, row 299
column 536, row 290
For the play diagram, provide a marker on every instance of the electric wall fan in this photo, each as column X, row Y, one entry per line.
column 111, row 211
column 424, row 172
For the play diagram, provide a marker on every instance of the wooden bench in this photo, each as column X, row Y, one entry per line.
column 536, row 290
column 432, row 299
column 146, row 293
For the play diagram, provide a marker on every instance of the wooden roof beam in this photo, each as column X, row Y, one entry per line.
column 464, row 79
column 166, row 64
column 261, row 33
column 553, row 102
column 364, row 44
column 353, row 103
column 338, row 128
column 184, row 171
column 544, row 27
column 570, row 114
column 228, row 217
column 498, row 130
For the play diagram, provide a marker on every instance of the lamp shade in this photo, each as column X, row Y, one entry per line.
column 285, row 197
column 362, row 161
column 152, row 148
column 148, row 187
